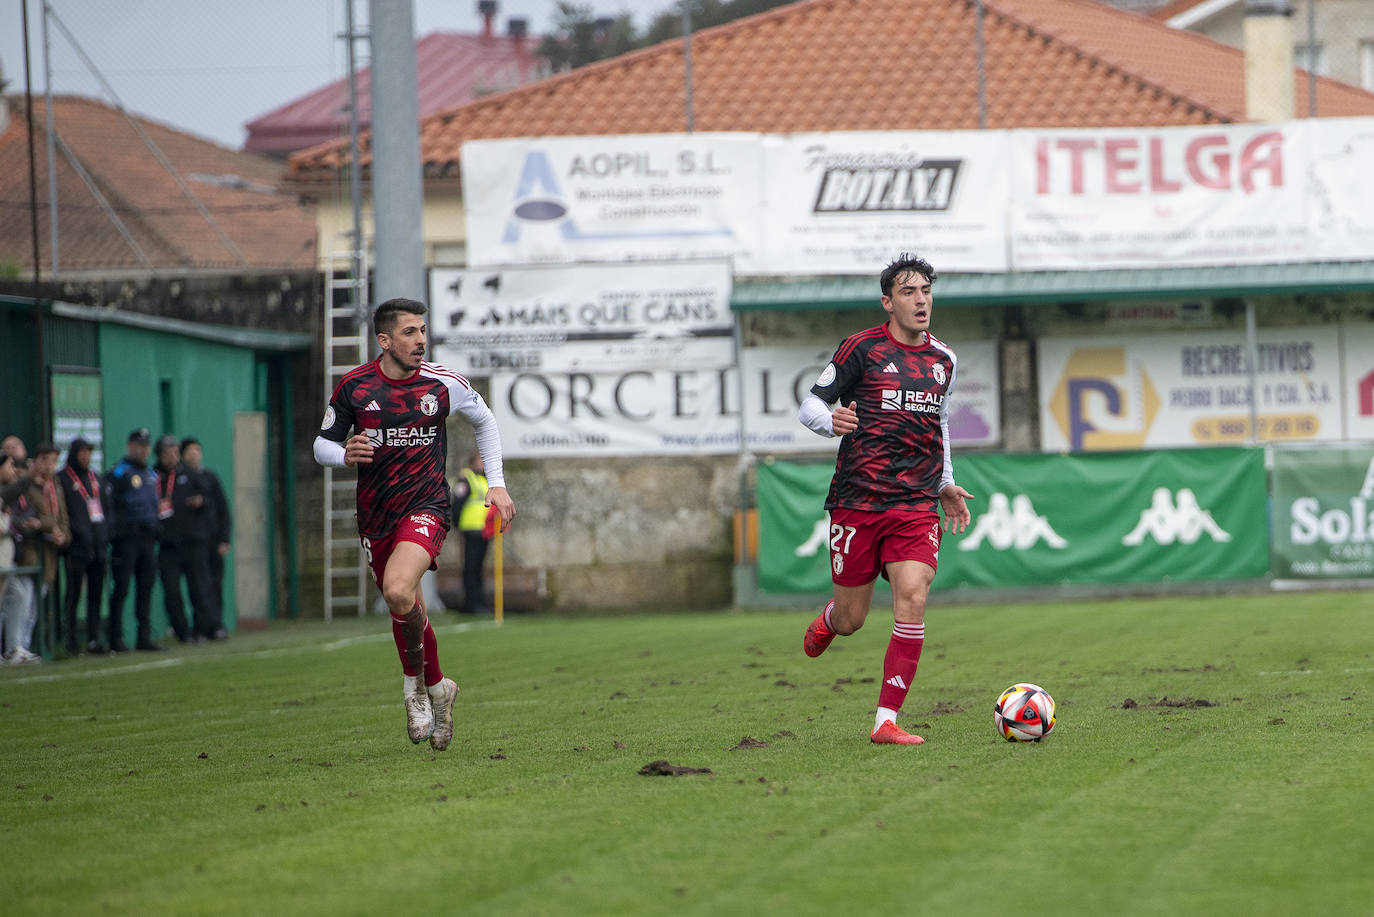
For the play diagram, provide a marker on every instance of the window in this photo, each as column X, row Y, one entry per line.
column 1311, row 58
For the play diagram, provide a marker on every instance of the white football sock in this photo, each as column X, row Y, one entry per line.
column 885, row 715
column 411, row 683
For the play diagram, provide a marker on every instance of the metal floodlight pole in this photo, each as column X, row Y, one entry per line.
column 1311, row 58
column 53, row 248
column 982, row 67
column 1252, row 364
column 397, row 198
column 43, row 423
column 687, row 62
column 355, row 187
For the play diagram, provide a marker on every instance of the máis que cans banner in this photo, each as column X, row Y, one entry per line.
column 847, row 203
column 583, row 318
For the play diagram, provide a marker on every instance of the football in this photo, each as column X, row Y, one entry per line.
column 1024, row 713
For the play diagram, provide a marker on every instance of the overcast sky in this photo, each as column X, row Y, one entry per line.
column 208, row 68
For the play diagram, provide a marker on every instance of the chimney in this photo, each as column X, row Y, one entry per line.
column 487, row 10
column 1268, row 60
column 517, row 27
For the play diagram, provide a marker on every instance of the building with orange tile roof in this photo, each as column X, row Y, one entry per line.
column 121, row 213
column 825, row 65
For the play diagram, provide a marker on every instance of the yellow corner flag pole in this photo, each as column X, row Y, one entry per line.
column 500, row 597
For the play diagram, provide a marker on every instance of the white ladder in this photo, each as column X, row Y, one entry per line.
column 345, row 347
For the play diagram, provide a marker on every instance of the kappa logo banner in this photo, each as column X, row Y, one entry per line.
column 1191, row 514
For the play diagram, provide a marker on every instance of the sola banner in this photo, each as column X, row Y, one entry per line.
column 583, row 318
column 613, row 198
column 1324, row 512
column 848, row 202
column 1132, row 197
column 1189, row 389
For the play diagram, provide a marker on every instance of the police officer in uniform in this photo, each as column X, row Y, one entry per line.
column 133, row 497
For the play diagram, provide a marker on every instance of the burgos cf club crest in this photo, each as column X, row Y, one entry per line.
column 429, row 405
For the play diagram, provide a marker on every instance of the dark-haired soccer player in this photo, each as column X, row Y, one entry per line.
column 387, row 418
column 892, row 476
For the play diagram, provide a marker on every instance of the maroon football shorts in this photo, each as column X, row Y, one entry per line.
column 425, row 529
column 862, row 542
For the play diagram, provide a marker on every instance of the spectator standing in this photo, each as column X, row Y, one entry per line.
column 217, row 527
column 133, row 540
column 469, row 507
column 14, row 447
column 16, row 590
column 88, row 510
column 178, row 502
column 45, row 532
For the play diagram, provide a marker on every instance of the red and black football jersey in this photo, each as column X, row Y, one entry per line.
column 899, row 455
column 404, row 418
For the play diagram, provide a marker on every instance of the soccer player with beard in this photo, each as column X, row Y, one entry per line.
column 387, row 418
column 892, row 477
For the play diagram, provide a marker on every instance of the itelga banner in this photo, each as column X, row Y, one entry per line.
column 1125, row 517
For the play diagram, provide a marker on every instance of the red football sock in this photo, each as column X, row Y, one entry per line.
column 433, row 674
column 899, row 664
column 398, row 633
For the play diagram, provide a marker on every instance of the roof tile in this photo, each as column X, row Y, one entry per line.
column 821, row 65
column 266, row 230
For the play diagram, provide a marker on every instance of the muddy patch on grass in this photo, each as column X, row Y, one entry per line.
column 664, row 769
column 749, row 742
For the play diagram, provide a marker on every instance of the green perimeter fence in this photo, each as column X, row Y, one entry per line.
column 1162, row 516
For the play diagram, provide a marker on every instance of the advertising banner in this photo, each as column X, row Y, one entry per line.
column 694, row 410
column 583, row 318
column 613, row 198
column 1357, row 359
column 1324, row 512
column 1188, row 388
column 1196, row 514
column 1130, row 197
column 848, row 202
column 76, row 411
column 1340, row 196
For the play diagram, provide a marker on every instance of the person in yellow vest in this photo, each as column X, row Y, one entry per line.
column 469, row 510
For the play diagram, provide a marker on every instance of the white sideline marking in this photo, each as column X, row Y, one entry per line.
column 98, row 673
column 253, row 654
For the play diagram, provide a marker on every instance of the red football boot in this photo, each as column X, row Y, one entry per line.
column 890, row 733
column 818, row 636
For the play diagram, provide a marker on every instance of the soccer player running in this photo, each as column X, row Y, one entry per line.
column 387, row 418
column 892, row 476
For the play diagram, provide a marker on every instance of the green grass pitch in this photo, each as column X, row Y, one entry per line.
column 271, row 774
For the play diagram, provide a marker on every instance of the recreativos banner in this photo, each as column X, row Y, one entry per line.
column 1193, row 388
column 1324, row 512
column 1194, row 514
